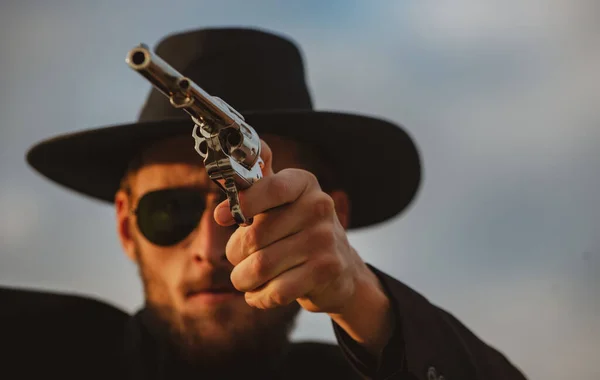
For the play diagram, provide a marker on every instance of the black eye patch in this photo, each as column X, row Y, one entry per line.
column 166, row 217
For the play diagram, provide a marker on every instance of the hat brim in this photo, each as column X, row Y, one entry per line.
column 377, row 160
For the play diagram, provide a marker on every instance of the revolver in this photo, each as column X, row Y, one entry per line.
column 229, row 146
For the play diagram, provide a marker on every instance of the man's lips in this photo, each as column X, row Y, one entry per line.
column 212, row 295
column 212, row 290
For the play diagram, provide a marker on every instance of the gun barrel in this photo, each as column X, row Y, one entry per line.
column 181, row 91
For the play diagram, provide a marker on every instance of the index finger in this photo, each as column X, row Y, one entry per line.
column 267, row 156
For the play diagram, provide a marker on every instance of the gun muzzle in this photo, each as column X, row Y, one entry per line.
column 160, row 74
column 231, row 147
column 181, row 91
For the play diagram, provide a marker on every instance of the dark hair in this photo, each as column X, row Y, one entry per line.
column 133, row 166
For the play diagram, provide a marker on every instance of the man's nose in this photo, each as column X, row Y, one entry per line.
column 209, row 240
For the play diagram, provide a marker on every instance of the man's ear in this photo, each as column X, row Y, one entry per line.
column 122, row 208
column 342, row 206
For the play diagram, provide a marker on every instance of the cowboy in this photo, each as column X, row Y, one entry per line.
column 221, row 300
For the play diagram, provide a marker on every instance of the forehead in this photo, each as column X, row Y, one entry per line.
column 174, row 162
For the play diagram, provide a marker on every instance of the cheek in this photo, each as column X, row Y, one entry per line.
column 158, row 260
column 160, row 271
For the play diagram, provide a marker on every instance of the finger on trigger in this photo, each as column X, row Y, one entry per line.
column 222, row 214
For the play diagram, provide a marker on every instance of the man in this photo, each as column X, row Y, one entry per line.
column 221, row 300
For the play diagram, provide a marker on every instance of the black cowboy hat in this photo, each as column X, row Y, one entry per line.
column 261, row 75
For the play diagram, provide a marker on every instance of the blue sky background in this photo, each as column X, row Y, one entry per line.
column 501, row 96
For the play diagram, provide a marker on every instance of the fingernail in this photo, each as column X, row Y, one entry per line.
column 222, row 214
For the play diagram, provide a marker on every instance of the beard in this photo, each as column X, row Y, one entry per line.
column 226, row 337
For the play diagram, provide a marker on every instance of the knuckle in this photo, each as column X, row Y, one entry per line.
column 323, row 206
column 277, row 297
column 251, row 240
column 260, row 264
column 251, row 300
column 327, row 270
column 279, row 188
column 323, row 236
column 311, row 179
column 257, row 301
column 235, row 280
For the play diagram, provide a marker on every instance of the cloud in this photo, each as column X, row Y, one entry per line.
column 535, row 308
column 469, row 23
column 501, row 96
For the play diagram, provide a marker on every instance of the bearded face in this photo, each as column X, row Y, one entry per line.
column 166, row 225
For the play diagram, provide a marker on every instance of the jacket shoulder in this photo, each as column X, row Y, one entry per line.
column 63, row 332
column 318, row 360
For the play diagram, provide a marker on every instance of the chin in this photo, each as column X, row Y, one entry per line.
column 213, row 308
column 208, row 301
column 222, row 326
column 233, row 312
column 226, row 330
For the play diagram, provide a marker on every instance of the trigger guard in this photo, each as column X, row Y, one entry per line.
column 197, row 141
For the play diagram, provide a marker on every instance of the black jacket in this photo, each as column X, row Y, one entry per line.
column 72, row 336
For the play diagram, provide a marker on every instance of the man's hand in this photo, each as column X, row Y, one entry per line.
column 297, row 250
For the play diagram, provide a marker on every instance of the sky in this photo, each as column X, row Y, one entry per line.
column 500, row 96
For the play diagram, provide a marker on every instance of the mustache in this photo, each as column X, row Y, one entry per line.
column 215, row 279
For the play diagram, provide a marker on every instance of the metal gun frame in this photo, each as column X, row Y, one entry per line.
column 229, row 146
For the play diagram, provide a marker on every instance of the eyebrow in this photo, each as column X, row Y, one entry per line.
column 135, row 198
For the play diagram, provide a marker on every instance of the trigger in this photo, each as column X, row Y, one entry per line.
column 234, row 203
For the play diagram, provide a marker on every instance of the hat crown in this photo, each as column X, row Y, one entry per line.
column 252, row 70
column 261, row 75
